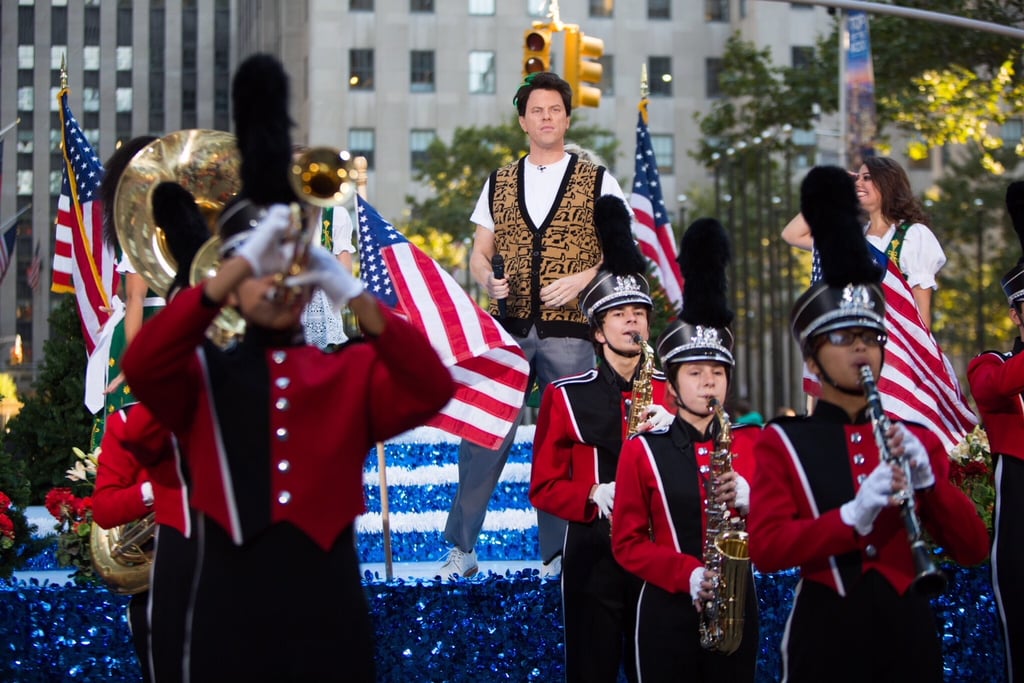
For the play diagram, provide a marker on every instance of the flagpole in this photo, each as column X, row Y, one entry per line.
column 13, row 219
column 382, row 461
column 7, row 129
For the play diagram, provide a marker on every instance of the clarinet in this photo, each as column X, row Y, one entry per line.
column 928, row 580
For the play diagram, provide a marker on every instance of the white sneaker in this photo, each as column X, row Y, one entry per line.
column 552, row 568
column 459, row 564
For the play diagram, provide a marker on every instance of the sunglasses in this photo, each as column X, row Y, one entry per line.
column 847, row 337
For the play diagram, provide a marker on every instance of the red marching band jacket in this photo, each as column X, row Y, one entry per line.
column 578, row 439
column 796, row 495
column 300, row 422
column 997, row 380
column 135, row 449
column 658, row 524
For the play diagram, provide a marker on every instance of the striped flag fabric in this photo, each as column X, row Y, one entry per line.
column 34, row 269
column 652, row 228
column 489, row 368
column 82, row 263
column 917, row 383
column 7, row 241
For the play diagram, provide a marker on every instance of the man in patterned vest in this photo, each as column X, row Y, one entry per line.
column 537, row 214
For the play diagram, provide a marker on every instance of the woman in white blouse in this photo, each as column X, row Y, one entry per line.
column 896, row 226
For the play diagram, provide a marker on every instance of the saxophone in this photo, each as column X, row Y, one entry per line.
column 642, row 392
column 725, row 552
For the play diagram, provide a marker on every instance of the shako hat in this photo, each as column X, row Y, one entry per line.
column 848, row 294
column 620, row 280
column 701, row 333
column 1013, row 281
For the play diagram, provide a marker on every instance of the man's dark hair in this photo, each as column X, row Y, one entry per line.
column 545, row 80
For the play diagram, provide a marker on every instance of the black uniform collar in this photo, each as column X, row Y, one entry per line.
column 607, row 372
column 830, row 412
column 1018, row 346
column 263, row 337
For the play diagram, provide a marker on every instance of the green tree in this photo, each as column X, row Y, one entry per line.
column 54, row 419
column 455, row 173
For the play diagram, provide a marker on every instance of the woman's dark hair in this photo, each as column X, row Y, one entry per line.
column 545, row 80
column 898, row 201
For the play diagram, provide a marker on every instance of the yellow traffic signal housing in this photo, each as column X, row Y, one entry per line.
column 581, row 70
column 536, row 49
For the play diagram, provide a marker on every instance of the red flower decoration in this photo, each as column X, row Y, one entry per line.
column 6, row 527
column 5, row 502
column 61, row 503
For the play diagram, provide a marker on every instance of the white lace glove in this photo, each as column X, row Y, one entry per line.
column 324, row 271
column 874, row 493
column 604, row 498
column 742, row 502
column 263, row 248
column 921, row 475
column 696, row 578
column 656, row 417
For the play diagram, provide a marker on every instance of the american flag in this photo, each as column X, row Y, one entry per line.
column 82, row 262
column 489, row 368
column 7, row 248
column 917, row 383
column 652, row 228
column 34, row 269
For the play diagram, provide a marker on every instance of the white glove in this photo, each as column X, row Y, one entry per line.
column 263, row 248
column 146, row 489
column 324, row 271
column 921, row 475
column 657, row 417
column 696, row 578
column 874, row 493
column 742, row 502
column 604, row 498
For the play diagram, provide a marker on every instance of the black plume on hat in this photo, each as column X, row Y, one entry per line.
column 849, row 295
column 612, row 220
column 112, row 172
column 176, row 212
column 828, row 202
column 702, row 331
column 259, row 96
column 704, row 256
column 1013, row 281
column 620, row 279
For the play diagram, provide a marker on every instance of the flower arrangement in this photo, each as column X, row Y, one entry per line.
column 971, row 470
column 6, row 523
column 74, row 517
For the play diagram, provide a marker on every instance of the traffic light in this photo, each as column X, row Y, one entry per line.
column 580, row 68
column 536, row 49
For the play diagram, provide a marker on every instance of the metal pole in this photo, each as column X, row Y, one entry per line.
column 911, row 13
column 980, row 323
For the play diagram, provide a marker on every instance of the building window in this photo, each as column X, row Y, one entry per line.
column 360, row 69
column 57, row 53
column 123, row 98
column 421, row 71
column 421, row 5
column 59, row 26
column 26, row 142
column 663, row 147
column 91, row 58
column 481, row 72
column 27, row 25
column 24, row 183
column 90, row 99
column 26, row 56
column 123, row 58
column 419, row 141
column 801, row 56
column 26, row 98
column 360, row 5
column 1013, row 133
column 157, row 45
column 602, row 8
column 481, row 7
column 716, row 10
column 659, row 9
column 55, row 180
column 712, row 74
column 536, row 9
column 660, row 70
column 92, row 25
column 124, row 22
column 361, row 144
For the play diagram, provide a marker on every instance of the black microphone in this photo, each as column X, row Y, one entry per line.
column 498, row 268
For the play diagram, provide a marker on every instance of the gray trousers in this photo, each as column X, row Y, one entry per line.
column 480, row 468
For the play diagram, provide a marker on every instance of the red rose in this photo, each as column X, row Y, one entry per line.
column 6, row 527
column 5, row 502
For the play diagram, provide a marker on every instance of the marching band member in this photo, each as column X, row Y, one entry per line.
column 582, row 423
column 997, row 383
column 277, row 495
column 666, row 478
column 824, row 499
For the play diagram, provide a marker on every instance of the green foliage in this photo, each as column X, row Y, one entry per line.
column 455, row 173
column 8, row 388
column 55, row 419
